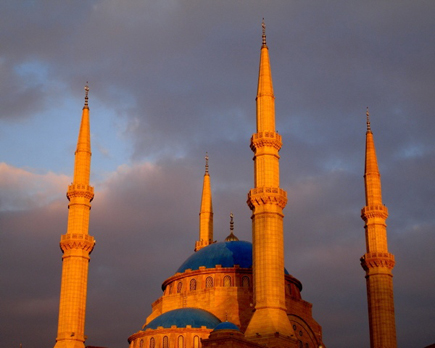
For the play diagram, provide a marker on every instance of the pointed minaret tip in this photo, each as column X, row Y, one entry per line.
column 206, row 163
column 368, row 120
column 263, row 26
column 86, row 96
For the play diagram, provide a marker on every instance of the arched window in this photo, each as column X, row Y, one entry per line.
column 171, row 288
column 179, row 286
column 165, row 342
column 141, row 344
column 180, row 342
column 246, row 282
column 301, row 345
column 209, row 282
column 193, row 284
column 152, row 342
column 227, row 281
column 196, row 342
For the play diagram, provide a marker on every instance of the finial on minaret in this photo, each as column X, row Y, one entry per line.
column 263, row 25
column 206, row 163
column 368, row 120
column 86, row 95
column 231, row 222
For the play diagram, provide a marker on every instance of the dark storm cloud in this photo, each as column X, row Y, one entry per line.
column 183, row 74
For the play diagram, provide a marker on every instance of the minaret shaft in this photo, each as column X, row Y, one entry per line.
column 267, row 201
column 205, row 213
column 377, row 261
column 76, row 246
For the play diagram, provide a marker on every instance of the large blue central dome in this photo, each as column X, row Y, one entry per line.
column 226, row 254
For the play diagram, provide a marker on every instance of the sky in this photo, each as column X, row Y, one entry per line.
column 173, row 79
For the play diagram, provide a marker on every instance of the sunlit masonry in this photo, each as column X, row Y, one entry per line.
column 231, row 293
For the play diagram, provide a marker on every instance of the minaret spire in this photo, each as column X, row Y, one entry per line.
column 377, row 261
column 206, row 212
column 76, row 244
column 267, row 201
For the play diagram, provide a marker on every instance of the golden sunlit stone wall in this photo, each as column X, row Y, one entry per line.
column 173, row 337
column 224, row 292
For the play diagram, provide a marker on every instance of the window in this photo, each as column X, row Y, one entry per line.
column 152, row 342
column 196, row 342
column 227, row 281
column 171, row 288
column 245, row 282
column 165, row 342
column 209, row 282
column 180, row 342
column 179, row 286
column 141, row 344
column 193, row 284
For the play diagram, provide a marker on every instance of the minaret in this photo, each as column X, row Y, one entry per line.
column 267, row 201
column 76, row 244
column 377, row 261
column 205, row 213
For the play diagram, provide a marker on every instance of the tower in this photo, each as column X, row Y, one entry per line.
column 76, row 244
column 377, row 261
column 267, row 200
column 205, row 213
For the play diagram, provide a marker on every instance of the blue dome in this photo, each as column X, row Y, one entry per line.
column 226, row 325
column 226, row 254
column 184, row 316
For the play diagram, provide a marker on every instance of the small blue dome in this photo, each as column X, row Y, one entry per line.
column 226, row 325
column 226, row 254
column 182, row 317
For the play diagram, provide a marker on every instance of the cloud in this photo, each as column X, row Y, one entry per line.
column 22, row 189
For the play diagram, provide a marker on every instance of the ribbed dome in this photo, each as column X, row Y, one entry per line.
column 226, row 254
column 182, row 317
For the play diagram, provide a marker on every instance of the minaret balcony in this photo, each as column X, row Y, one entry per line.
column 376, row 260
column 267, row 195
column 374, row 211
column 77, row 241
column 268, row 138
column 80, row 190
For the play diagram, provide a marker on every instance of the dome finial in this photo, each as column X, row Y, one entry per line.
column 206, row 163
column 231, row 237
column 263, row 26
column 368, row 120
column 86, row 95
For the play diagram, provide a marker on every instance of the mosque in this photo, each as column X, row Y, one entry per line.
column 232, row 293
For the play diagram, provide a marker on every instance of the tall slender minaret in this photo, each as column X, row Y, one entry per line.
column 267, row 201
column 76, row 244
column 377, row 261
column 205, row 213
